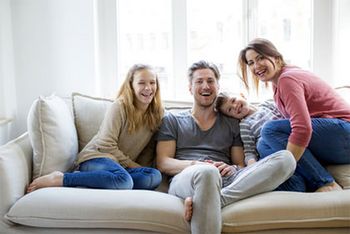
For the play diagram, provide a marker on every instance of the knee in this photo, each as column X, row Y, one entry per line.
column 286, row 161
column 207, row 174
column 268, row 129
column 156, row 178
column 263, row 148
column 148, row 178
column 121, row 181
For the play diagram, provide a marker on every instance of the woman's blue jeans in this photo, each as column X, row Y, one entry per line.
column 330, row 144
column 104, row 173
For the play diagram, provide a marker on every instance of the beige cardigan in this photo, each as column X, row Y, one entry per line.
column 113, row 140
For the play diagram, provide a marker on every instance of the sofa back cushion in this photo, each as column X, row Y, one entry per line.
column 52, row 135
column 88, row 115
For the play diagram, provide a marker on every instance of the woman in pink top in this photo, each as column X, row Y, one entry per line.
column 317, row 125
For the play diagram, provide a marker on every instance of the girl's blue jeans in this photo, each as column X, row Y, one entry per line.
column 104, row 173
column 330, row 144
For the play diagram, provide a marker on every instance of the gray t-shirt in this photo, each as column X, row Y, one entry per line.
column 194, row 144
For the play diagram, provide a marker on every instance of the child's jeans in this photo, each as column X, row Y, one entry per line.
column 104, row 173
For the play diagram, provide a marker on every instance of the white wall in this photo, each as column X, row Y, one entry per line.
column 106, row 47
column 7, row 82
column 53, row 50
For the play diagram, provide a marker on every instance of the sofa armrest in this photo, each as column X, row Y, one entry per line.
column 15, row 171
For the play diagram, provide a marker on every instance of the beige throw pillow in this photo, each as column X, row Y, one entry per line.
column 52, row 134
column 344, row 91
column 88, row 115
column 341, row 174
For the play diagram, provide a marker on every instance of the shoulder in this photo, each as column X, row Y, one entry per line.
column 269, row 104
column 291, row 71
column 170, row 115
column 171, row 118
column 291, row 81
column 293, row 74
column 117, row 104
column 116, row 110
column 228, row 120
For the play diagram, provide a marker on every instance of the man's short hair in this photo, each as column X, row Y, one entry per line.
column 203, row 65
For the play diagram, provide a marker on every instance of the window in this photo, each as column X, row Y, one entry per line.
column 342, row 46
column 145, row 36
column 172, row 34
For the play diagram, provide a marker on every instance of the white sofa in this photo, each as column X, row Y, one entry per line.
column 82, row 210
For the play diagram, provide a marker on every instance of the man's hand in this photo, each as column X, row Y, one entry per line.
column 224, row 169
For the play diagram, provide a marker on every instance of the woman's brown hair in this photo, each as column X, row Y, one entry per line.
column 266, row 49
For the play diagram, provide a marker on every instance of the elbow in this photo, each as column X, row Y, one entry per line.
column 166, row 166
column 160, row 163
column 308, row 134
column 301, row 135
column 308, row 128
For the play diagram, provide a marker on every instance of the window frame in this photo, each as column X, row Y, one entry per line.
column 106, row 31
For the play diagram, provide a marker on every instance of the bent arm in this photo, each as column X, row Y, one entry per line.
column 249, row 143
column 293, row 96
column 111, row 130
column 237, row 156
column 166, row 162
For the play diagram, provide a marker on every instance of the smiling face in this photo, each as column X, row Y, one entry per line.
column 236, row 107
column 144, row 85
column 204, row 87
column 265, row 68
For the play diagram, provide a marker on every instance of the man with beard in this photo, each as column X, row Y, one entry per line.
column 202, row 151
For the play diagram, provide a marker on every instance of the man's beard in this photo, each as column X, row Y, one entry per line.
column 205, row 104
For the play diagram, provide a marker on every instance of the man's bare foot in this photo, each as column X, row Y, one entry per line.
column 188, row 208
column 54, row 179
column 334, row 186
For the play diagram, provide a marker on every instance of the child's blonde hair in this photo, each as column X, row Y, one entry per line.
column 153, row 116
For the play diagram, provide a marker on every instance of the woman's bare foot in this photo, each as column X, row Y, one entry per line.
column 334, row 186
column 188, row 208
column 54, row 179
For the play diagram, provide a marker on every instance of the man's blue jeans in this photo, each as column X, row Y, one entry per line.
column 330, row 144
column 104, row 173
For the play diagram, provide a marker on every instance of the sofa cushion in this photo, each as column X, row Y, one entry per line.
column 155, row 211
column 52, row 135
column 97, row 208
column 283, row 210
column 88, row 115
column 341, row 174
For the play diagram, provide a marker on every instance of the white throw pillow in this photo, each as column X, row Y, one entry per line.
column 52, row 134
column 88, row 113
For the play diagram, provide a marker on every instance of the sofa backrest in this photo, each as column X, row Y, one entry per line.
column 88, row 114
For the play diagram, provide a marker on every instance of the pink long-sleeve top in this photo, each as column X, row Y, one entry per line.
column 299, row 95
